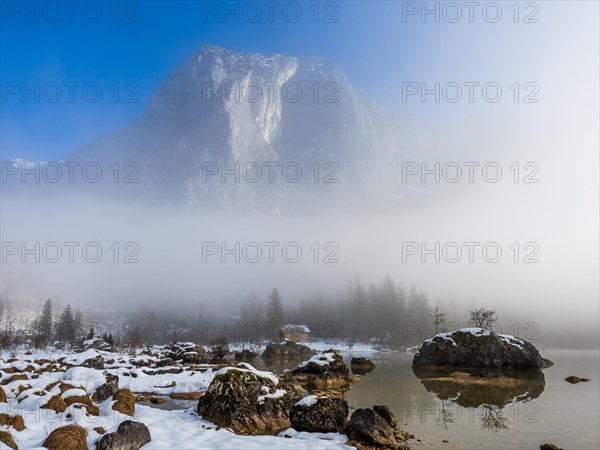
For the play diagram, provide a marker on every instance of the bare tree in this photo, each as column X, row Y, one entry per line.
column 438, row 318
column 483, row 318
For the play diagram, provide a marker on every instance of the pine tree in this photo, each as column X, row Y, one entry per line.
column 44, row 325
column 78, row 326
column 65, row 330
column 275, row 314
column 438, row 318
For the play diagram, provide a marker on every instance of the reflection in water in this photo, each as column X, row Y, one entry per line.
column 538, row 409
column 470, row 390
column 491, row 419
column 488, row 392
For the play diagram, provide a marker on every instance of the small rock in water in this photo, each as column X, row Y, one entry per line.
column 549, row 447
column 574, row 380
column 361, row 366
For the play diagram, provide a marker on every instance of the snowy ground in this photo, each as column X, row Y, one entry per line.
column 169, row 429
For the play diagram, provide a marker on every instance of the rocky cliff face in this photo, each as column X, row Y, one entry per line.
column 244, row 112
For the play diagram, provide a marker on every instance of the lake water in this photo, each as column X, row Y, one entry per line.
column 549, row 410
column 545, row 409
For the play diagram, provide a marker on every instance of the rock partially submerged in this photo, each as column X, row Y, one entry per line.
column 319, row 414
column 361, row 366
column 248, row 401
column 287, row 350
column 574, row 380
column 324, row 371
column 475, row 347
column 129, row 436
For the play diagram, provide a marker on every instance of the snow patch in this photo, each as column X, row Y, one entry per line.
column 309, row 400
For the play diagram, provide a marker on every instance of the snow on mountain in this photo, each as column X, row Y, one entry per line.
column 251, row 133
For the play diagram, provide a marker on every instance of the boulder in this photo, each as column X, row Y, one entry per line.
column 368, row 428
column 549, row 447
column 97, row 362
column 245, row 355
column 287, row 350
column 361, row 366
column 475, row 347
column 96, row 344
column 188, row 353
column 388, row 415
column 164, row 362
column 323, row 371
column 248, row 401
column 319, row 415
column 129, row 436
column 106, row 390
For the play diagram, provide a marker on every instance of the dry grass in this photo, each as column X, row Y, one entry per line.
column 125, row 402
column 15, row 421
column 92, row 410
column 15, row 377
column 71, row 437
column 100, row 430
column 41, row 362
column 51, row 385
column 23, row 388
column 186, row 395
column 64, row 387
column 7, row 439
column 2, row 396
column 84, row 399
column 56, row 404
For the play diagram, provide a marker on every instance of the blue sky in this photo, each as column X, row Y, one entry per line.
column 148, row 39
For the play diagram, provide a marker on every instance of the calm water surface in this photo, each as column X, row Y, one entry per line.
column 547, row 410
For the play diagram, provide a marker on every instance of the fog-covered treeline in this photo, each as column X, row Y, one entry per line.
column 386, row 313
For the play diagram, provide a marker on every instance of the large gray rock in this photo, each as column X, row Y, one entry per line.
column 323, row 371
column 368, row 428
column 244, row 400
column 474, row 347
column 320, row 415
column 129, row 436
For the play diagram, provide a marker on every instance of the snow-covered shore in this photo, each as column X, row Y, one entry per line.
column 26, row 395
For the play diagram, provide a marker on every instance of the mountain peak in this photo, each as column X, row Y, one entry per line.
column 234, row 108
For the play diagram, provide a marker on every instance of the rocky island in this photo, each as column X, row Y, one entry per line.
column 478, row 348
